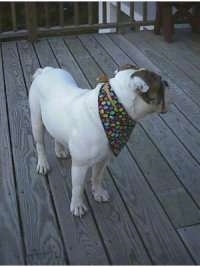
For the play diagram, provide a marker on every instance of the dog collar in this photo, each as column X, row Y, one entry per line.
column 117, row 123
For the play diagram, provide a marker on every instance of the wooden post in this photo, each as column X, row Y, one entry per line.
column 90, row 15
column 144, row 11
column 13, row 16
column 61, row 14
column 31, row 21
column 76, row 13
column 46, row 14
column 118, row 16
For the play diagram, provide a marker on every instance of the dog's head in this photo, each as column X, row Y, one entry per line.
column 148, row 86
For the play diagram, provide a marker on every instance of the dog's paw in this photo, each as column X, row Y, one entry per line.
column 43, row 166
column 78, row 209
column 100, row 195
column 61, row 154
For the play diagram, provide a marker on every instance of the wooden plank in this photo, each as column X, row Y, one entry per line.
column 11, row 243
column 116, row 228
column 40, row 230
column 191, row 236
column 42, row 258
column 185, row 167
column 182, row 46
column 83, row 59
column 155, row 229
column 147, row 159
column 80, row 236
column 180, row 208
column 174, row 55
column 191, row 41
column 175, row 74
column 184, row 131
column 119, row 233
column 183, row 102
column 155, row 243
column 67, row 62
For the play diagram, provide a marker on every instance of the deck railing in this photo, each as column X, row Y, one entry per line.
column 32, row 29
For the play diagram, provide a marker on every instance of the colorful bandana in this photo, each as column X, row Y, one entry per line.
column 117, row 124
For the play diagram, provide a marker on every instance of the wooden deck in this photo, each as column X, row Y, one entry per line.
column 154, row 215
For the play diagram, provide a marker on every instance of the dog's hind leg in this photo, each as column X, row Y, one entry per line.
column 99, row 193
column 38, row 132
column 60, row 150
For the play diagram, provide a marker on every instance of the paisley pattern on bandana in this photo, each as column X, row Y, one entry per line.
column 117, row 124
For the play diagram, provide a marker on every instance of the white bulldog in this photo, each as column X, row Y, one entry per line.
column 71, row 116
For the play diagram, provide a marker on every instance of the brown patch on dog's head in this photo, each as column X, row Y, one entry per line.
column 102, row 78
column 156, row 92
column 126, row 67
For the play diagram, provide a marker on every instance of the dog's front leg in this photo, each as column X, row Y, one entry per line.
column 99, row 193
column 77, row 206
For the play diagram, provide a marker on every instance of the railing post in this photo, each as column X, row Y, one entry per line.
column 31, row 21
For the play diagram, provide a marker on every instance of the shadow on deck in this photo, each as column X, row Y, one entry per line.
column 154, row 215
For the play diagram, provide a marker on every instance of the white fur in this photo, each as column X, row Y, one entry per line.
column 70, row 114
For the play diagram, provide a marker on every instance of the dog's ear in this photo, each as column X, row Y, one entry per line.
column 138, row 82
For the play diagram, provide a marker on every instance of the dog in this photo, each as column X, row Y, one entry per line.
column 76, row 119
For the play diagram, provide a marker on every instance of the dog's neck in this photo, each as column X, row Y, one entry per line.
column 125, row 96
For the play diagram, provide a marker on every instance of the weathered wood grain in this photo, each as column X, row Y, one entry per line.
column 132, row 228
column 191, row 236
column 83, row 59
column 173, row 55
column 151, row 238
column 163, row 180
column 184, row 131
column 72, row 230
column 116, row 227
column 155, row 229
column 181, row 45
column 67, row 62
column 11, row 244
column 185, row 167
column 168, row 68
column 38, row 219
column 179, row 98
column 180, row 208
